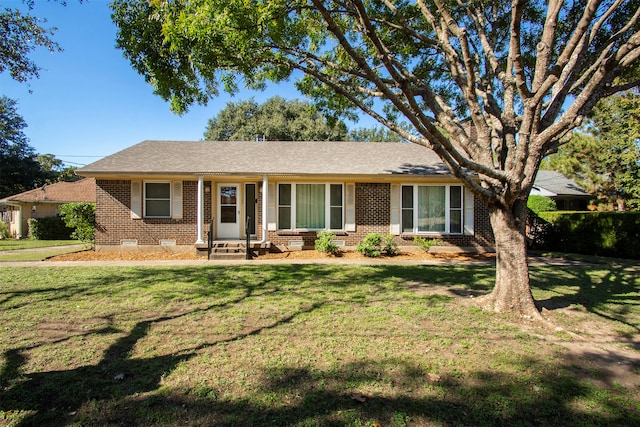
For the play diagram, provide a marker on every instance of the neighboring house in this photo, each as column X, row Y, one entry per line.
column 566, row 193
column 168, row 193
column 44, row 202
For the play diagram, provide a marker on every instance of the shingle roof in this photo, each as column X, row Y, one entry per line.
column 269, row 158
column 83, row 190
column 558, row 184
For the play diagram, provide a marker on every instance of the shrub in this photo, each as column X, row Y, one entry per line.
column 325, row 244
column 81, row 217
column 615, row 234
column 539, row 204
column 390, row 247
column 371, row 245
column 4, row 230
column 48, row 228
column 375, row 245
column 425, row 243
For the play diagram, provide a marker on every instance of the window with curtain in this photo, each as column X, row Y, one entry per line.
column 431, row 209
column 310, row 206
column 157, row 199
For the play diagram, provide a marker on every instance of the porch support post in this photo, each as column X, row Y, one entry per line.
column 265, row 196
column 200, row 209
column 18, row 218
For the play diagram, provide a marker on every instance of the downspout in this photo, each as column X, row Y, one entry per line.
column 265, row 196
column 19, row 221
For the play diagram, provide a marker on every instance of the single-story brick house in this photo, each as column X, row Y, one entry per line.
column 167, row 193
column 44, row 202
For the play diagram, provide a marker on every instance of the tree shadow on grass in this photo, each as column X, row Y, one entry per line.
column 122, row 390
column 609, row 292
column 300, row 396
column 52, row 398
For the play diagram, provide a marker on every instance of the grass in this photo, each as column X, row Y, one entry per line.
column 40, row 255
column 44, row 249
column 304, row 345
column 15, row 244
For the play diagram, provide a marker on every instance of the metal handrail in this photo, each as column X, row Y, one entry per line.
column 248, row 233
column 210, row 240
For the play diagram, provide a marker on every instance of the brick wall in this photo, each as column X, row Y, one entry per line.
column 372, row 204
column 114, row 221
column 373, row 201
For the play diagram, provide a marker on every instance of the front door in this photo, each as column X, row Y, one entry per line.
column 228, row 211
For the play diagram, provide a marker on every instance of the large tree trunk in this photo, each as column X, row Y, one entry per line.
column 512, row 291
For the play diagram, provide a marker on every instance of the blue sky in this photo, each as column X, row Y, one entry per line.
column 89, row 102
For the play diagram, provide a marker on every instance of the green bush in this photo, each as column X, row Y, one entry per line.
column 49, row 228
column 425, row 243
column 371, row 245
column 375, row 245
column 325, row 243
column 538, row 229
column 539, row 204
column 614, row 234
column 4, row 230
column 389, row 246
column 81, row 217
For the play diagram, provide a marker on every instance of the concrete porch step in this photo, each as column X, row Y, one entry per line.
column 227, row 255
column 234, row 249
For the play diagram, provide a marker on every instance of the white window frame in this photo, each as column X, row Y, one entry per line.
column 144, row 199
column 327, row 206
column 447, row 212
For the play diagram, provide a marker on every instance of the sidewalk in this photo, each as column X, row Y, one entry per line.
column 533, row 261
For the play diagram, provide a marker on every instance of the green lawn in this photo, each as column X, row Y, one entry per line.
column 311, row 345
column 13, row 244
column 45, row 249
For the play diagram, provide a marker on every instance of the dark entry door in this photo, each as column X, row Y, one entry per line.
column 250, row 200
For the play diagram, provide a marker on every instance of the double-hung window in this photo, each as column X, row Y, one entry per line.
column 432, row 209
column 157, row 199
column 310, row 206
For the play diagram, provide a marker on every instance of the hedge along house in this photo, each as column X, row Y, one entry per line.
column 282, row 193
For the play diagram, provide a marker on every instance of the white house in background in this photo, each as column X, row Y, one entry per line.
column 566, row 193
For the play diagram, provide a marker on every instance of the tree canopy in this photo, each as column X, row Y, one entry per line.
column 491, row 87
column 19, row 167
column 21, row 34
column 603, row 156
column 277, row 119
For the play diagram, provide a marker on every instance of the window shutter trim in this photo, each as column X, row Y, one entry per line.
column 176, row 208
column 395, row 209
column 136, row 199
column 271, row 206
column 350, row 207
column 468, row 211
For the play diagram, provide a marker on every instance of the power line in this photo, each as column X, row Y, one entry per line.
column 73, row 155
column 74, row 163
